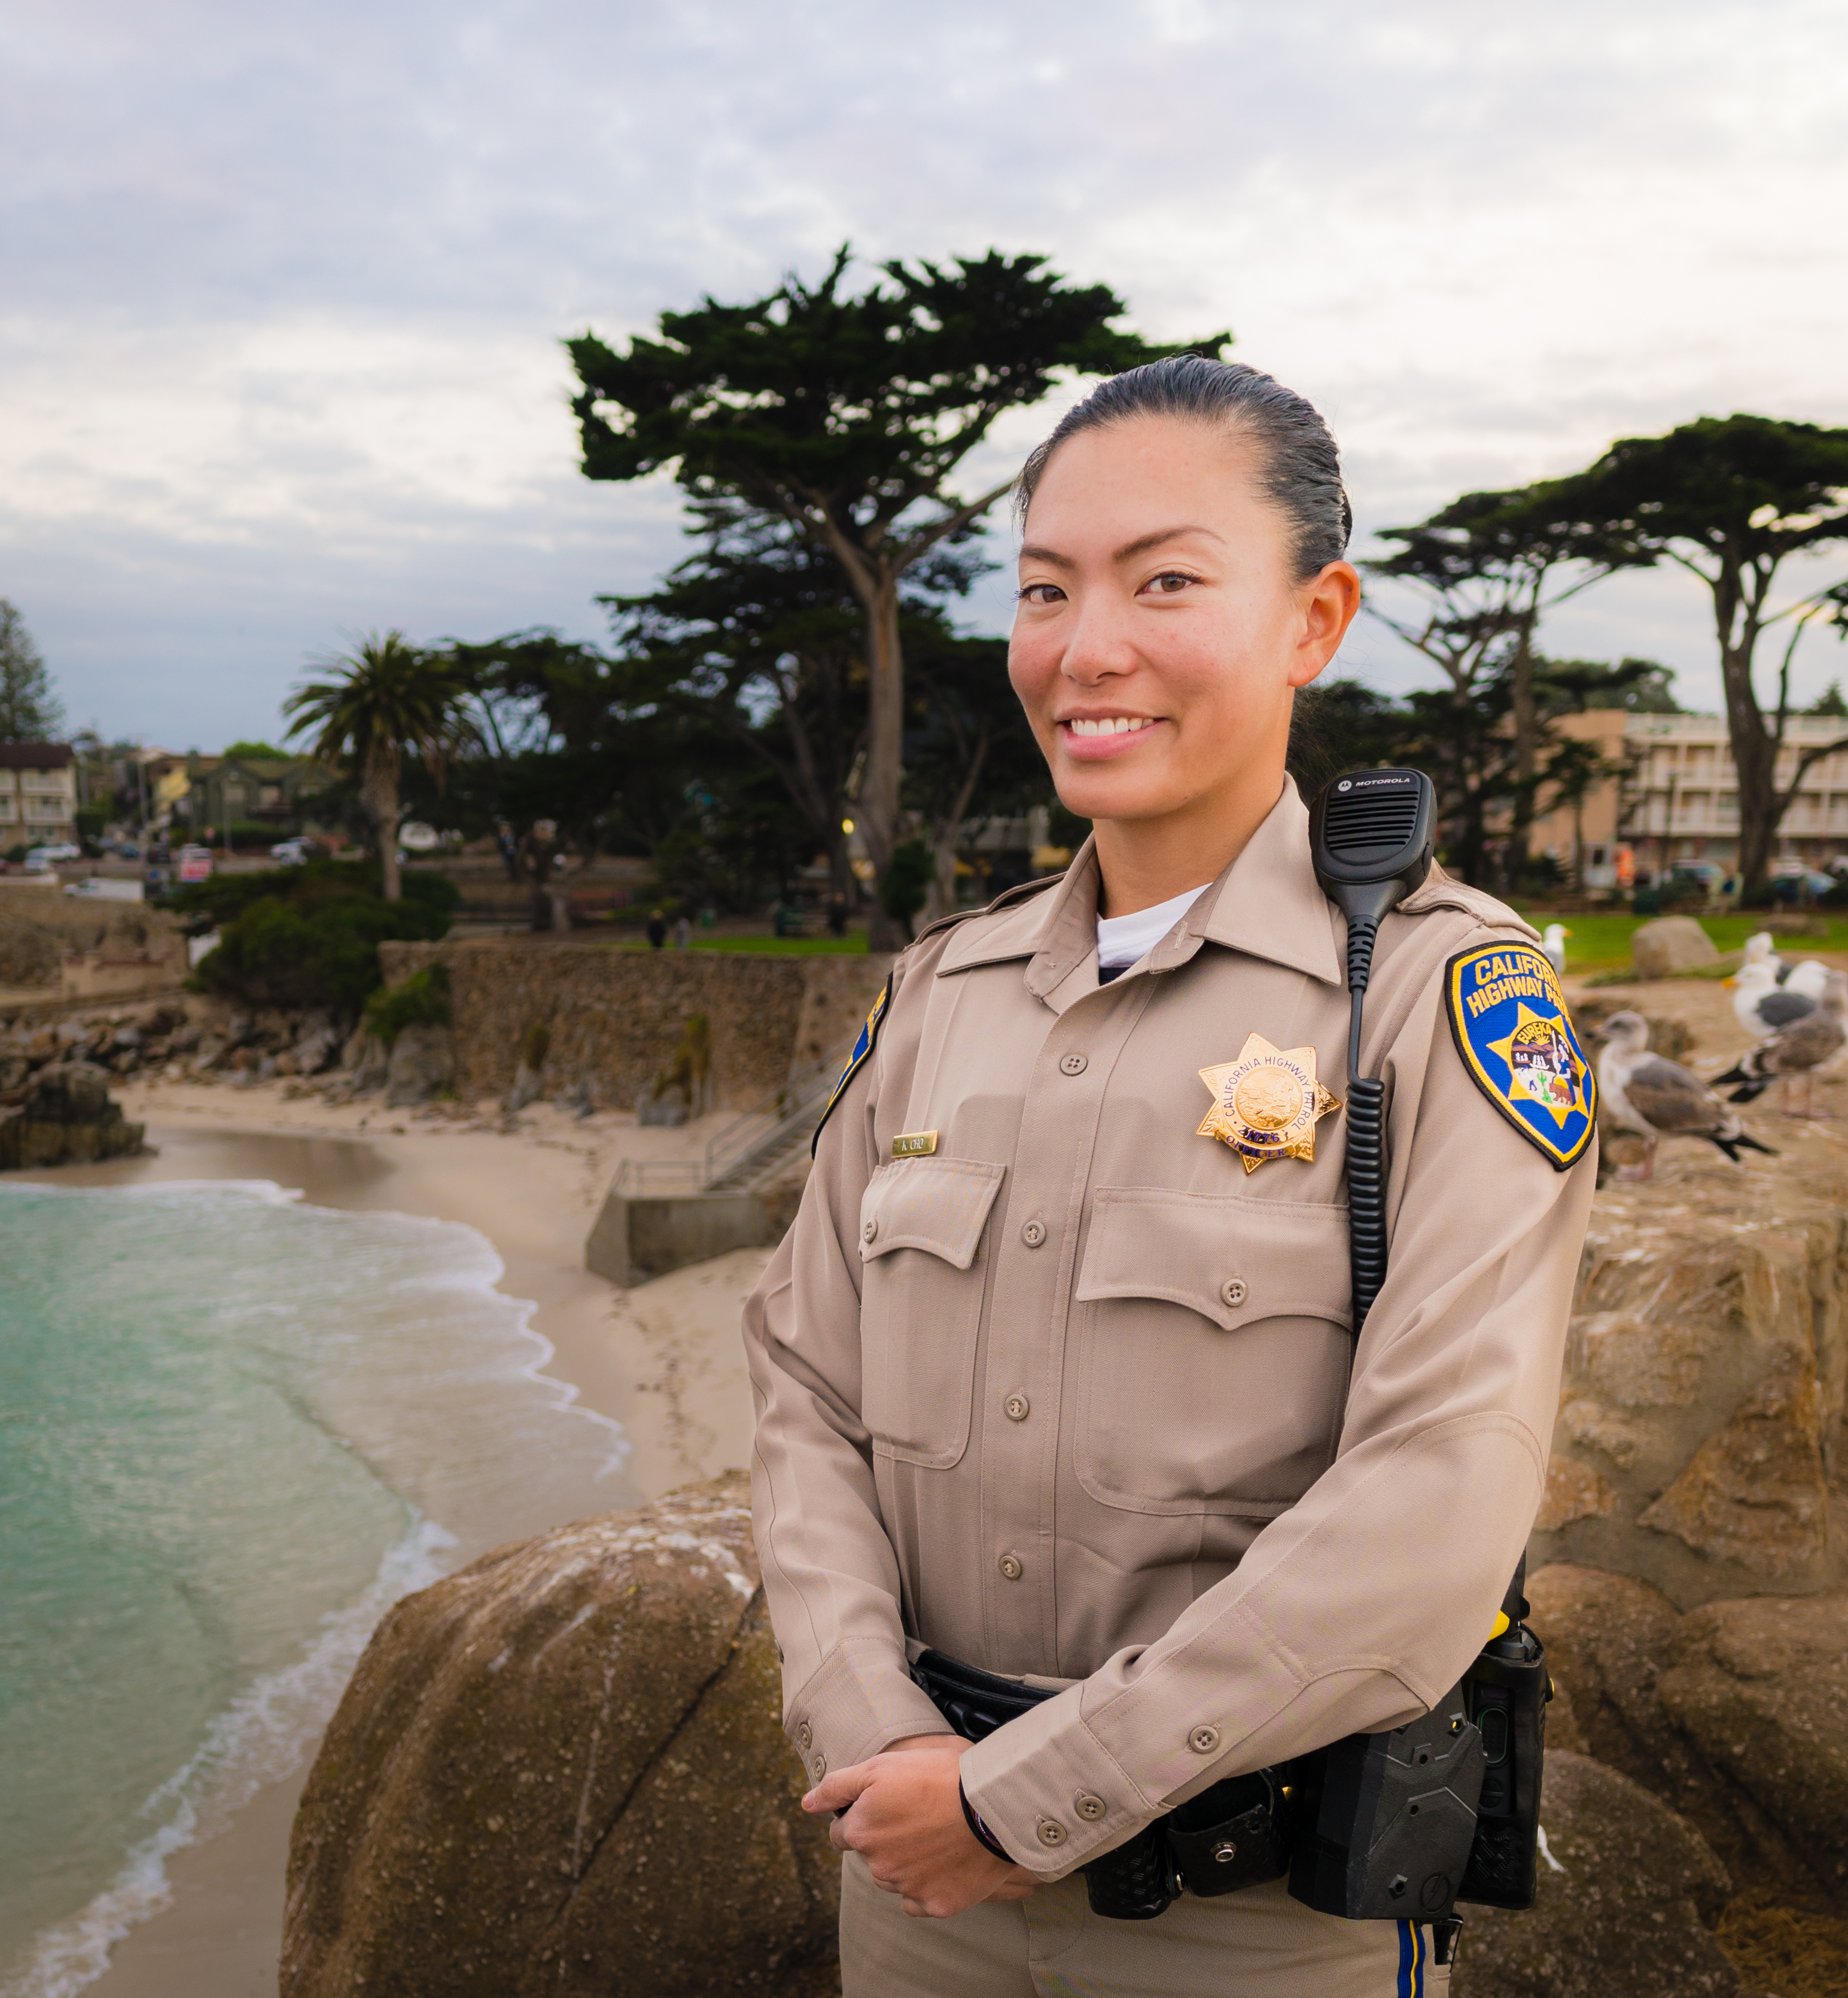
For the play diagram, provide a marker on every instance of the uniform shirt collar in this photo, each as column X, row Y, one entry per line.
column 1268, row 903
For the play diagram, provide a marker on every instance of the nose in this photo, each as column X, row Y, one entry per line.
column 1097, row 643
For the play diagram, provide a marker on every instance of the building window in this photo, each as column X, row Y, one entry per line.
column 6, row 810
column 233, row 797
column 269, row 794
column 1598, row 857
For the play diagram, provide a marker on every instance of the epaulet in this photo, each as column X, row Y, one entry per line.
column 1439, row 890
column 1006, row 900
column 869, row 1034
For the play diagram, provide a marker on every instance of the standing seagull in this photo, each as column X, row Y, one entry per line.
column 1762, row 1004
column 1662, row 1099
column 1799, row 1048
column 1552, row 947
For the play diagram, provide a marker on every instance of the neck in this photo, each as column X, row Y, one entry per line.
column 1143, row 862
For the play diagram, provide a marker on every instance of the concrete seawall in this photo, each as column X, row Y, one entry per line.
column 618, row 1015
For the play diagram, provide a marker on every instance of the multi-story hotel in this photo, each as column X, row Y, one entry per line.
column 1670, row 795
column 38, row 794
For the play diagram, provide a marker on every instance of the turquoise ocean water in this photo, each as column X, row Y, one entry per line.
column 234, row 1429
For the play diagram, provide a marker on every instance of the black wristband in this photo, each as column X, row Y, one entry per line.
column 981, row 1830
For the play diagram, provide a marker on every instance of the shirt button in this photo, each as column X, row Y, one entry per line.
column 805, row 1737
column 1073, row 1064
column 1034, row 1233
column 1009, row 1565
column 1051, row 1831
column 1233, row 1290
column 1203, row 1740
column 820, row 1767
column 1016, row 1408
column 1088, row 1807
column 867, row 1230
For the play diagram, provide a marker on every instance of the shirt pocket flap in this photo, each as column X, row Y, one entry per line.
column 939, row 1205
column 1234, row 1260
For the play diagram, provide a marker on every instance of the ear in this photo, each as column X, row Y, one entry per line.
column 1328, row 602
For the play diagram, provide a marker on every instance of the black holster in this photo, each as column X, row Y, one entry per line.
column 1228, row 1837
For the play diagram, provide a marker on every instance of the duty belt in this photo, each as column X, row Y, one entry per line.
column 1227, row 1837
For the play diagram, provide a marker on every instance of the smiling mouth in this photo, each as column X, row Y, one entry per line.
column 1109, row 724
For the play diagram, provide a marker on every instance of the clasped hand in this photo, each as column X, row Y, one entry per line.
column 903, row 1815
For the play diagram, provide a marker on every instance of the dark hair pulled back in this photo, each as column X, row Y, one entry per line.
column 1301, row 471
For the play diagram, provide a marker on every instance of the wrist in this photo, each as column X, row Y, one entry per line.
column 983, row 1836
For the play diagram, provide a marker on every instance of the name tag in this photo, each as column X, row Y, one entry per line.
column 914, row 1144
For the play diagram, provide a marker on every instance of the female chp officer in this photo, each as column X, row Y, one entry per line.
column 1052, row 1379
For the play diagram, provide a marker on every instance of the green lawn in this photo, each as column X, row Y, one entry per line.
column 1598, row 942
column 852, row 944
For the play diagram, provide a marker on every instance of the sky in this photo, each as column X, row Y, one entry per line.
column 282, row 288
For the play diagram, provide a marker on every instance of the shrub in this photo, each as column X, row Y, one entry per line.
column 419, row 1000
column 907, row 882
column 308, row 936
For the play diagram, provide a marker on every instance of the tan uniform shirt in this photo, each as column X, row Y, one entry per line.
column 1070, row 1396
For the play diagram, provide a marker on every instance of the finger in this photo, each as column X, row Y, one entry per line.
column 839, row 1790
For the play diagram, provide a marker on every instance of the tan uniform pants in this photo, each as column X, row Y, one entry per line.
column 1256, row 1944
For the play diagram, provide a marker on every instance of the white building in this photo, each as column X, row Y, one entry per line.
column 1680, row 799
column 38, row 794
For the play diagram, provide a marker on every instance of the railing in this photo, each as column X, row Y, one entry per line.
column 748, row 1149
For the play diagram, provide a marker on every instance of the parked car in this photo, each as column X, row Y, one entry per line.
column 295, row 852
column 38, row 860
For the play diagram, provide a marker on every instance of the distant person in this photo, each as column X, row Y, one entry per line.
column 683, row 934
column 837, row 915
column 657, row 929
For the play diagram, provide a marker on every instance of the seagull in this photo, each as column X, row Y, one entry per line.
column 1808, row 978
column 1799, row 1048
column 1553, row 946
column 1661, row 1099
column 1762, row 1004
column 1763, row 949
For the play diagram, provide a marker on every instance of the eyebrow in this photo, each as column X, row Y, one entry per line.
column 1032, row 552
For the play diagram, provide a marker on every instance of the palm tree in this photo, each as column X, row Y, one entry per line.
column 386, row 697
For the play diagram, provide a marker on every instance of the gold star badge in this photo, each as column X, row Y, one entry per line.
column 1265, row 1103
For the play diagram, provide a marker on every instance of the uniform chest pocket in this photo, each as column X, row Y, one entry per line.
column 1212, row 1350
column 920, row 1303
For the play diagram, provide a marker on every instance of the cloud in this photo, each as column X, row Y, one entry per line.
column 285, row 285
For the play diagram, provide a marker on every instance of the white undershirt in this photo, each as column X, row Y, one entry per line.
column 1126, row 940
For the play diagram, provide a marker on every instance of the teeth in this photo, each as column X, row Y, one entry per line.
column 1117, row 725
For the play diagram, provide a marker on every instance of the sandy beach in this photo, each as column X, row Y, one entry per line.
column 663, row 1361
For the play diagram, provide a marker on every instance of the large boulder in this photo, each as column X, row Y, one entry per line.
column 1758, row 1690
column 561, row 1772
column 1737, row 1714
column 67, row 1118
column 1629, row 1893
column 1671, row 944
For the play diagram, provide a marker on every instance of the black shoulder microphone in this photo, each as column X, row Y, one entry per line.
column 1371, row 836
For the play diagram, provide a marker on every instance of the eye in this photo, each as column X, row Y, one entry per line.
column 1170, row 582
column 1040, row 593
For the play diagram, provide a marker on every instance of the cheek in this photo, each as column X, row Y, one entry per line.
column 1030, row 668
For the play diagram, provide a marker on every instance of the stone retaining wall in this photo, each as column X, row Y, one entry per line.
column 619, row 1015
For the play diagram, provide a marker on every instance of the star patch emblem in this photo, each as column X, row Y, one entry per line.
column 1543, row 1066
column 1265, row 1103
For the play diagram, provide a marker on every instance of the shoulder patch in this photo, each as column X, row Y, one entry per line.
column 1508, row 1018
column 862, row 1049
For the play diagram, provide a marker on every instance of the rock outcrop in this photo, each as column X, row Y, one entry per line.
column 561, row 1772
column 67, row 1118
column 1629, row 1893
column 1700, row 1424
column 421, row 1066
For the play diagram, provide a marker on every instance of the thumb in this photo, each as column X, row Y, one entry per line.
column 839, row 1789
